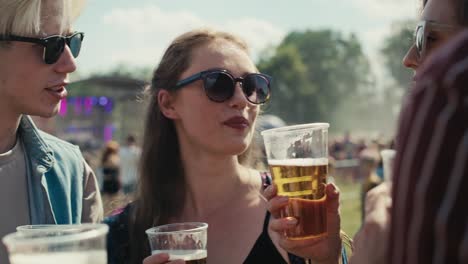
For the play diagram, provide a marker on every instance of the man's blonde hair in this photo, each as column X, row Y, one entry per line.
column 24, row 17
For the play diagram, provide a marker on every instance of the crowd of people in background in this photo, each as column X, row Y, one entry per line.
column 359, row 160
column 116, row 167
column 355, row 159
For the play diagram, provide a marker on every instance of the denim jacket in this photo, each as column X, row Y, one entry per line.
column 62, row 188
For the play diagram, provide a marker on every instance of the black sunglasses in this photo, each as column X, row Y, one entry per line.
column 53, row 45
column 422, row 31
column 220, row 85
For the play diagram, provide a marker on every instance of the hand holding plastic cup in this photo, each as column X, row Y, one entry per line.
column 298, row 160
column 185, row 241
column 71, row 244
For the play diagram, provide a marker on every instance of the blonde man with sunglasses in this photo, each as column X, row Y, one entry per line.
column 43, row 180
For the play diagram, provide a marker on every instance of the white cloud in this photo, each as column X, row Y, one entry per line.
column 388, row 9
column 258, row 33
column 149, row 30
column 151, row 19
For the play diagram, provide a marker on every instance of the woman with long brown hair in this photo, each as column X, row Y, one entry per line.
column 204, row 100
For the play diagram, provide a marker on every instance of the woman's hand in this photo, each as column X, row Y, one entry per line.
column 370, row 243
column 160, row 259
column 325, row 249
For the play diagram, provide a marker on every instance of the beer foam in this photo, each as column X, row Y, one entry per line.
column 299, row 162
column 185, row 255
column 83, row 257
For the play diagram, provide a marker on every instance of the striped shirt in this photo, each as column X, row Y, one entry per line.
column 430, row 190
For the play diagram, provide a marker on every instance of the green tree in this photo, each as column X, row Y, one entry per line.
column 314, row 71
column 290, row 82
column 394, row 49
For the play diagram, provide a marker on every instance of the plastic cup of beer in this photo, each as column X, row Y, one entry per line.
column 298, row 160
column 185, row 241
column 70, row 244
column 388, row 155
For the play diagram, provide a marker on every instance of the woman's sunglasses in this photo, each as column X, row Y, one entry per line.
column 421, row 34
column 53, row 45
column 220, row 85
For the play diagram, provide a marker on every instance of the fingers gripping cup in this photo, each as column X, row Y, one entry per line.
column 298, row 160
column 71, row 244
column 186, row 241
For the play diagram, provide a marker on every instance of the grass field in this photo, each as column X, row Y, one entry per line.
column 350, row 206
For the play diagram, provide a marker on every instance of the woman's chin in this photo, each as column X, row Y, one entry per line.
column 235, row 149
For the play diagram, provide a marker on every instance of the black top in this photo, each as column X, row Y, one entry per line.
column 111, row 183
column 118, row 246
column 263, row 251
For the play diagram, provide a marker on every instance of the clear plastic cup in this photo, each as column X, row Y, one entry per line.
column 53, row 229
column 70, row 244
column 186, row 241
column 298, row 160
column 388, row 156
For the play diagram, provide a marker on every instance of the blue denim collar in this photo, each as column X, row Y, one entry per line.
column 39, row 152
column 39, row 160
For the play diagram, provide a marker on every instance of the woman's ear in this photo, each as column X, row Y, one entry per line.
column 166, row 104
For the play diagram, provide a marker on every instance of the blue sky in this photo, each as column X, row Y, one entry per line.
column 136, row 32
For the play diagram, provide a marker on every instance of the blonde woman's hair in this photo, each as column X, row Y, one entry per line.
column 25, row 17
